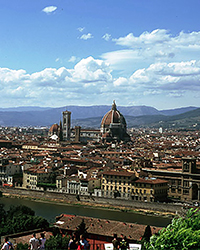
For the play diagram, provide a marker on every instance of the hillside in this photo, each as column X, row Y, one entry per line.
column 188, row 120
column 90, row 116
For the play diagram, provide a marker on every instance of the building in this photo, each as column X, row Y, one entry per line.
column 113, row 126
column 8, row 171
column 66, row 126
column 34, row 176
column 102, row 230
column 184, row 184
column 127, row 185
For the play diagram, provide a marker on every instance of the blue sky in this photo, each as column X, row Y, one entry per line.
column 90, row 52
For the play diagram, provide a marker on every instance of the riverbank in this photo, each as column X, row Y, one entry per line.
column 91, row 204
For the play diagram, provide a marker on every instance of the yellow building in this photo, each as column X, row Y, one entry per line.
column 126, row 185
column 33, row 176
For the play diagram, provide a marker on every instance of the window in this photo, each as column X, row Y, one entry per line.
column 185, row 191
column 173, row 182
column 173, row 190
column 186, row 183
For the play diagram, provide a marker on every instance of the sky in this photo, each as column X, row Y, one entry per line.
column 56, row 53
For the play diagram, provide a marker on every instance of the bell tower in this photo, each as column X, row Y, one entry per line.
column 66, row 125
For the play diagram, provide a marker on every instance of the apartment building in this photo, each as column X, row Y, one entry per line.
column 184, row 183
column 127, row 185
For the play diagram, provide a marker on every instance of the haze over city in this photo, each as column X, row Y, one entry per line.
column 59, row 53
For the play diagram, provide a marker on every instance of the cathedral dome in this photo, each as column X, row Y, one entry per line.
column 114, row 125
column 113, row 117
column 53, row 129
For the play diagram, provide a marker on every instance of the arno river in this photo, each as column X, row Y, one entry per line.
column 49, row 211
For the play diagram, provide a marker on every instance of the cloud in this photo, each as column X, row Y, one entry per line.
column 85, row 80
column 72, row 59
column 183, row 76
column 106, row 37
column 152, row 47
column 86, row 36
column 81, row 29
column 49, row 9
column 91, row 81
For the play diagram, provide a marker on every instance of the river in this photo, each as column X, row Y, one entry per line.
column 50, row 210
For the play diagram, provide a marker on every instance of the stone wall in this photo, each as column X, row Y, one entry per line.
column 69, row 198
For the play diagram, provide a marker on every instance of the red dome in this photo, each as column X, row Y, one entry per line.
column 54, row 128
column 113, row 116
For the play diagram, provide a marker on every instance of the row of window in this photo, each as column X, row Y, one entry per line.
column 116, row 177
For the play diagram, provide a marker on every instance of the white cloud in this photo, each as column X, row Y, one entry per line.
column 85, row 80
column 81, row 29
column 72, row 59
column 86, row 36
column 49, row 9
column 91, row 81
column 183, row 76
column 121, row 81
column 106, row 37
column 152, row 47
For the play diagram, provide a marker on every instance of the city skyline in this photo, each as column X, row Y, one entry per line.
column 60, row 53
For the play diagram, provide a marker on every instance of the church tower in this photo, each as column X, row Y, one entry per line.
column 66, row 127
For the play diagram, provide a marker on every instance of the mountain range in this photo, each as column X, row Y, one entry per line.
column 90, row 116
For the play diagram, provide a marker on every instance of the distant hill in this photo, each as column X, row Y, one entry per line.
column 177, row 111
column 187, row 120
column 90, row 116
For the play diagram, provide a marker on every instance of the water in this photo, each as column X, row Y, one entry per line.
column 49, row 211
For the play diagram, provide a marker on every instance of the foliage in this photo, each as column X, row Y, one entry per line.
column 2, row 213
column 51, row 185
column 21, row 246
column 19, row 210
column 57, row 242
column 182, row 233
column 19, row 219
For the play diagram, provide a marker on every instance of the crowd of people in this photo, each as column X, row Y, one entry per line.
column 122, row 244
column 37, row 243
column 74, row 243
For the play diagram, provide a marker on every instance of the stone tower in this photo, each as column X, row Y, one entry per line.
column 66, row 127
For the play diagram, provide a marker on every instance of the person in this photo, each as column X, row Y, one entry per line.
column 124, row 244
column 84, row 243
column 42, row 241
column 115, row 242
column 34, row 242
column 72, row 243
column 7, row 245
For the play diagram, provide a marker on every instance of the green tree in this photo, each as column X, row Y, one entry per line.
column 57, row 242
column 15, row 211
column 21, row 246
column 183, row 233
column 19, row 219
column 2, row 213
